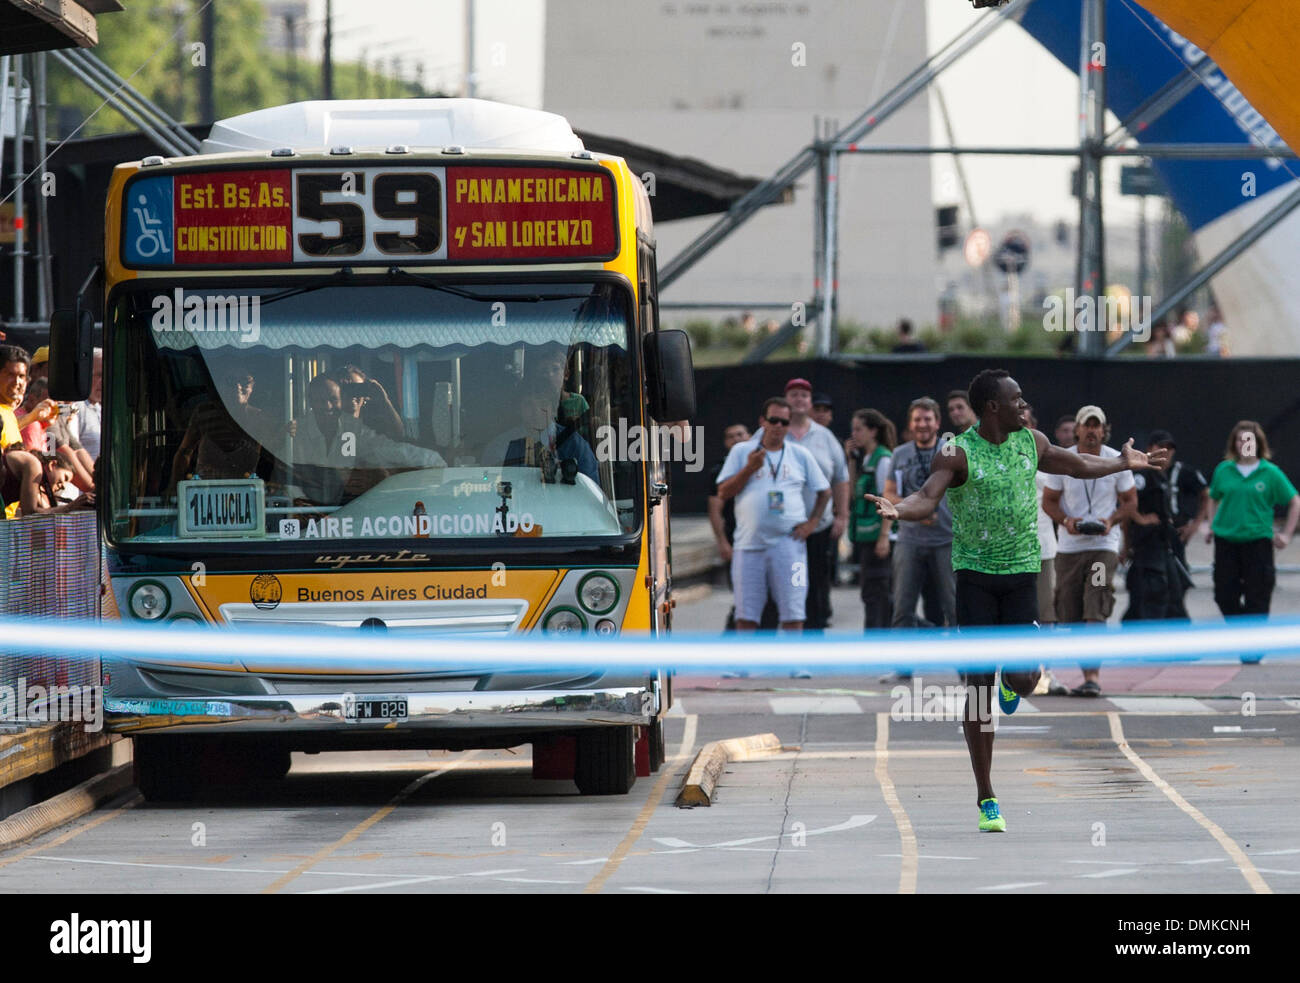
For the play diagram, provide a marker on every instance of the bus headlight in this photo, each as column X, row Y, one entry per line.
column 598, row 593
column 563, row 621
column 606, row 627
column 150, row 601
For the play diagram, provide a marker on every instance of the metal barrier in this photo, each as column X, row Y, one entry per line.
column 50, row 570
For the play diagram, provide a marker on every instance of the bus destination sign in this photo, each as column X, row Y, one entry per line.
column 384, row 214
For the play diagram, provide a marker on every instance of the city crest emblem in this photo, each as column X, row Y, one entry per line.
column 265, row 592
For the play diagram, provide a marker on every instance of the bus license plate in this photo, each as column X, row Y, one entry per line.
column 379, row 708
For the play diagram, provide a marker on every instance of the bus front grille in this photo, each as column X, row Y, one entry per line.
column 462, row 617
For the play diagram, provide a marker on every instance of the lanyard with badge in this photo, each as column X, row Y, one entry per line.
column 775, row 499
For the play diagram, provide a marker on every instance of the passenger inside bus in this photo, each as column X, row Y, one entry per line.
column 368, row 401
column 337, row 456
column 220, row 439
column 546, row 432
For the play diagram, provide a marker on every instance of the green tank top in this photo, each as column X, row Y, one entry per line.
column 995, row 513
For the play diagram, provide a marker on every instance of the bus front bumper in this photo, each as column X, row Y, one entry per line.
column 341, row 712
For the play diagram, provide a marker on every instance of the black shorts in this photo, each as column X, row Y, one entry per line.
column 996, row 599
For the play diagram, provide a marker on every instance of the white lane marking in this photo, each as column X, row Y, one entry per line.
column 404, row 881
column 535, row 880
column 1207, row 860
column 1114, row 872
column 1276, row 853
column 853, row 822
column 678, row 709
column 1245, row 730
column 1011, row 887
column 925, row 856
column 1270, row 870
column 1018, row 729
column 943, row 705
column 1159, row 704
column 655, row 890
column 814, row 704
column 211, row 868
column 382, row 884
column 688, row 735
column 1110, row 863
column 579, row 863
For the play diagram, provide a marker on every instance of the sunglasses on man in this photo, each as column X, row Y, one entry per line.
column 778, row 421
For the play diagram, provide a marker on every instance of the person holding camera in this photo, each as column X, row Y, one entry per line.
column 1090, row 513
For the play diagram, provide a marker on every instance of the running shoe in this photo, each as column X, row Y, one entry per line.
column 991, row 820
column 1008, row 700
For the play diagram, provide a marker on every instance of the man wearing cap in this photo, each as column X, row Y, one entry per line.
column 823, row 410
column 825, row 448
column 1090, row 513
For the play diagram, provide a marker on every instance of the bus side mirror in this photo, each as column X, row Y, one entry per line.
column 71, row 355
column 670, row 375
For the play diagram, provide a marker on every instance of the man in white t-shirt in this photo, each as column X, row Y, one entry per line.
column 767, row 475
column 1091, row 517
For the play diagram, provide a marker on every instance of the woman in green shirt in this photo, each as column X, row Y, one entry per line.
column 870, row 450
column 1245, row 490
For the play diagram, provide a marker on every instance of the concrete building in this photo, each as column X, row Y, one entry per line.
column 740, row 85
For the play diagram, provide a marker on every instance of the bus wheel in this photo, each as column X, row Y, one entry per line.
column 658, row 753
column 166, row 768
column 606, row 765
column 274, row 764
column 271, row 762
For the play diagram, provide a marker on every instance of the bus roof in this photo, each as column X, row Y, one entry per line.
column 378, row 123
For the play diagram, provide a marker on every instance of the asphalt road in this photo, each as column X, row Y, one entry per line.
column 1181, row 779
column 865, row 799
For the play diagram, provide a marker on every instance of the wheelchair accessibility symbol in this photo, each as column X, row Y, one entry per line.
column 149, row 241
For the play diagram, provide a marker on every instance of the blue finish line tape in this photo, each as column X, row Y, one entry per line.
column 410, row 651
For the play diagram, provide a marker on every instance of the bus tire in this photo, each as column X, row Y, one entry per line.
column 166, row 768
column 605, row 761
column 658, row 753
column 259, row 761
column 272, row 763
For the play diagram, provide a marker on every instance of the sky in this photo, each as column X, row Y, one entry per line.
column 1007, row 91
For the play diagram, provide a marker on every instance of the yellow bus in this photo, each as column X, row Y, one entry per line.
column 361, row 363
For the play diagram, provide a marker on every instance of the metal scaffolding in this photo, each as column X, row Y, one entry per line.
column 1095, row 146
column 165, row 132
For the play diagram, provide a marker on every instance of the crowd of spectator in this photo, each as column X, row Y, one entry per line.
column 782, row 540
column 48, row 449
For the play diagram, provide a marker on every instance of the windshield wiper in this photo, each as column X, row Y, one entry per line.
column 334, row 279
column 435, row 283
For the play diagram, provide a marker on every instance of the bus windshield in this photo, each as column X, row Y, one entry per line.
column 370, row 410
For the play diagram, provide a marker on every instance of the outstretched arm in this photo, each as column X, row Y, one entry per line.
column 948, row 470
column 1056, row 460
